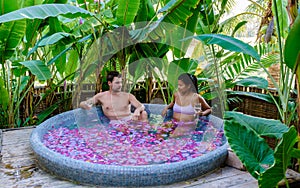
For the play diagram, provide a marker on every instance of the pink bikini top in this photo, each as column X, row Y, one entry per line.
column 188, row 110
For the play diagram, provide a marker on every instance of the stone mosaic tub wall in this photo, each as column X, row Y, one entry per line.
column 111, row 175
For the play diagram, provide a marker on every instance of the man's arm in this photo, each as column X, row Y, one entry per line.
column 139, row 107
column 87, row 104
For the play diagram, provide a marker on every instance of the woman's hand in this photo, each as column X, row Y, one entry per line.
column 164, row 112
column 201, row 113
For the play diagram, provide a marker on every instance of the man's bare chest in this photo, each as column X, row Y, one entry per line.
column 113, row 102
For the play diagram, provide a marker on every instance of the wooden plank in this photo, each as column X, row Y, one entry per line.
column 18, row 158
column 15, row 136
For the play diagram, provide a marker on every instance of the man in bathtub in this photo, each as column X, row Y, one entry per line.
column 116, row 104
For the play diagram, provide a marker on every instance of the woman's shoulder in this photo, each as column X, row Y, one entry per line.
column 196, row 95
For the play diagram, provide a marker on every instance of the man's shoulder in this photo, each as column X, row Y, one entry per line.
column 101, row 94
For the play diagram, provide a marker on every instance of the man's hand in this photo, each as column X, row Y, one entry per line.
column 87, row 105
column 136, row 115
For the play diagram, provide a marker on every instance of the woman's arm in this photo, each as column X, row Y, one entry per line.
column 206, row 109
column 169, row 106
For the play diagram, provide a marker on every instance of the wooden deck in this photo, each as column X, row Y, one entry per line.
column 18, row 169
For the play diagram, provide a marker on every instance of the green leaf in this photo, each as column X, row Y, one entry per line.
column 31, row 34
column 295, row 153
column 283, row 16
column 72, row 63
column 8, row 6
column 24, row 83
column 179, row 20
column 38, row 68
column 146, row 11
column 10, row 36
column 169, row 5
column 251, row 149
column 254, row 81
column 60, row 62
column 127, row 10
column 45, row 11
column 4, row 99
column 292, row 45
column 261, row 126
column 228, row 43
column 52, row 39
column 282, row 154
column 178, row 11
column 238, row 26
column 260, row 96
column 62, row 53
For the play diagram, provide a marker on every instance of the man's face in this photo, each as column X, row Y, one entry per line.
column 116, row 84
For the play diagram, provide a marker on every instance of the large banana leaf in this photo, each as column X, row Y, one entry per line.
column 10, row 33
column 146, row 12
column 38, row 68
column 179, row 21
column 283, row 154
column 292, row 46
column 254, row 81
column 259, row 96
column 228, row 43
column 49, row 40
column 52, row 39
column 127, row 10
column 251, row 149
column 261, row 126
column 178, row 11
column 10, row 36
column 8, row 6
column 184, row 15
column 45, row 11
column 32, row 26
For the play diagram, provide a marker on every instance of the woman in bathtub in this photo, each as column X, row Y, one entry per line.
column 184, row 105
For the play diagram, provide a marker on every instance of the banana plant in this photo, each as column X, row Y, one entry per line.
column 38, row 69
column 247, row 138
column 246, row 134
column 292, row 56
column 227, row 43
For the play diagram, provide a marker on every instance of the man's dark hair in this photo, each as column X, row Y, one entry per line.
column 189, row 79
column 112, row 74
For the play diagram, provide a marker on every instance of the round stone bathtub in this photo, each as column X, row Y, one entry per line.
column 114, row 175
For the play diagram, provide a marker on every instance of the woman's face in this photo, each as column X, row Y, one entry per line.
column 182, row 87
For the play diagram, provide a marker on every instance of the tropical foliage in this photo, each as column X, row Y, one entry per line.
column 246, row 135
column 56, row 42
column 61, row 42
